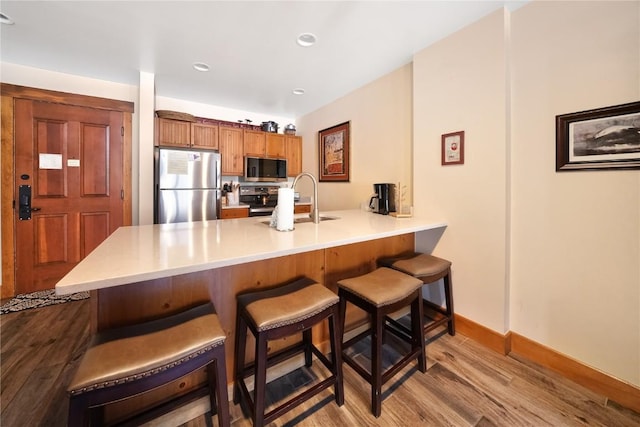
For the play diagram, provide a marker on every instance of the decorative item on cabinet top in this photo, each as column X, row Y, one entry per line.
column 175, row 115
column 186, row 117
column 290, row 129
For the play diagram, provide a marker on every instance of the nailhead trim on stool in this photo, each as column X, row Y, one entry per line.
column 380, row 293
column 124, row 362
column 429, row 269
column 276, row 313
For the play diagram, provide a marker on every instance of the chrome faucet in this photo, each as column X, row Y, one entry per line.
column 315, row 213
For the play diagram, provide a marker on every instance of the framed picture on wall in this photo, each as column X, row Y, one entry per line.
column 333, row 153
column 604, row 138
column 453, row 148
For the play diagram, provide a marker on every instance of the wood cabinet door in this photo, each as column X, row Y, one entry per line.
column 275, row 145
column 294, row 154
column 173, row 133
column 301, row 209
column 254, row 143
column 204, row 135
column 231, row 144
column 230, row 213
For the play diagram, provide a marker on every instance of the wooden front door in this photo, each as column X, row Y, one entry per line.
column 68, row 195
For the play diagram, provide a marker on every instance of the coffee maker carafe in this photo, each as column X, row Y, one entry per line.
column 384, row 199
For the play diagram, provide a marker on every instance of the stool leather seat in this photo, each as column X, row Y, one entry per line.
column 287, row 305
column 126, row 361
column 422, row 265
column 428, row 269
column 279, row 312
column 383, row 286
column 380, row 293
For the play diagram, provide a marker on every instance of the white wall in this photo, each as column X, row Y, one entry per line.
column 575, row 283
column 380, row 117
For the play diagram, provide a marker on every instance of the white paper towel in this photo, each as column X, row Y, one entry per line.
column 285, row 209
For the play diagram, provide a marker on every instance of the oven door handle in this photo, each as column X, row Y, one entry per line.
column 270, row 209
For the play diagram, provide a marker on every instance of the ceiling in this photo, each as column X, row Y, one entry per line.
column 250, row 46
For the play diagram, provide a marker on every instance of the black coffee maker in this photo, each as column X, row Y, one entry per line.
column 384, row 199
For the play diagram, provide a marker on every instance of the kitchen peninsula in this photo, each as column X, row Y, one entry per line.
column 145, row 272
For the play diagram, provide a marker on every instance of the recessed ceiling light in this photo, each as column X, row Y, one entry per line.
column 4, row 19
column 298, row 91
column 200, row 66
column 306, row 39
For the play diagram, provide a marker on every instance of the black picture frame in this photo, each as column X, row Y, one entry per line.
column 599, row 139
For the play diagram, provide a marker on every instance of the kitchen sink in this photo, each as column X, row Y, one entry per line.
column 308, row 219
column 302, row 220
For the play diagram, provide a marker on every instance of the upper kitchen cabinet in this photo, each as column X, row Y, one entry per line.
column 231, row 151
column 275, row 145
column 293, row 146
column 264, row 144
column 254, row 143
column 179, row 133
column 204, row 135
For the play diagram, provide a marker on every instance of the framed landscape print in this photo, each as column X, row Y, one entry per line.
column 333, row 153
column 604, row 138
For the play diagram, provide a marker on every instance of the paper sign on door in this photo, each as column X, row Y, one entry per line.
column 50, row 161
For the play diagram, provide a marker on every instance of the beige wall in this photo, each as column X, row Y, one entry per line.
column 575, row 278
column 552, row 256
column 380, row 117
column 459, row 85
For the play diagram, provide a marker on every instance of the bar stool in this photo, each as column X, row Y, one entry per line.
column 380, row 293
column 429, row 269
column 124, row 362
column 276, row 313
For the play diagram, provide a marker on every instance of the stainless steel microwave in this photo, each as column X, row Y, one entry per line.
column 258, row 169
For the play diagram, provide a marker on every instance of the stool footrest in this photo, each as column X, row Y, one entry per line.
column 299, row 399
column 160, row 410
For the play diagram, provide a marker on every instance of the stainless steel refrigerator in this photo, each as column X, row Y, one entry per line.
column 187, row 185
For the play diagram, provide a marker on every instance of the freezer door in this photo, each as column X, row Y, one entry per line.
column 187, row 205
column 188, row 169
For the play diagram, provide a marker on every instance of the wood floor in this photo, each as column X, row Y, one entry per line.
column 465, row 385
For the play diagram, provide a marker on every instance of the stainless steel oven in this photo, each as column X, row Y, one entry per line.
column 262, row 200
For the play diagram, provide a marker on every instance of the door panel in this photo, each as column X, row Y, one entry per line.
column 72, row 158
column 94, row 228
column 95, row 155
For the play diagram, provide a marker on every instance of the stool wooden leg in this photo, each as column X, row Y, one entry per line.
column 218, row 387
column 239, row 356
column 417, row 326
column 77, row 414
column 308, row 354
column 448, row 296
column 377, row 321
column 260, row 380
column 336, row 354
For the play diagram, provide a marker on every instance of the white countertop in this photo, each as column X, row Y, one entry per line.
column 138, row 253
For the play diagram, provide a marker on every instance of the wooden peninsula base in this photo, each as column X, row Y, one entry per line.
column 136, row 302
column 144, row 272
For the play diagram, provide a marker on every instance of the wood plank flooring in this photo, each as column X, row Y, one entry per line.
column 465, row 384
